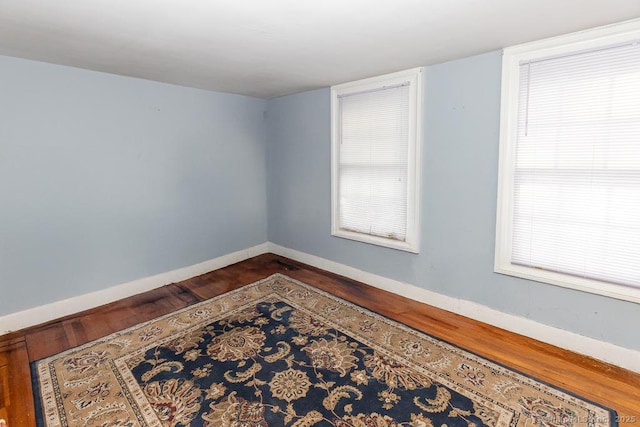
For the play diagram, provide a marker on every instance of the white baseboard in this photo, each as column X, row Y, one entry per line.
column 55, row 310
column 620, row 356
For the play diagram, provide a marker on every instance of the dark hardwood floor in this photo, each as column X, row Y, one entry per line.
column 595, row 380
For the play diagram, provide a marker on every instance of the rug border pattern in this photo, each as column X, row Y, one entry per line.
column 47, row 381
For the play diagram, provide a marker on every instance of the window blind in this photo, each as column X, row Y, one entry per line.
column 577, row 168
column 373, row 161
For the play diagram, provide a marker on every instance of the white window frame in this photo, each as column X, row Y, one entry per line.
column 414, row 77
column 512, row 57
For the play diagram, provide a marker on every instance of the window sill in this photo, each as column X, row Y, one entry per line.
column 612, row 290
column 376, row 240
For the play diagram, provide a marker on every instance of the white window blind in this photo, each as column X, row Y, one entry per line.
column 576, row 188
column 373, row 161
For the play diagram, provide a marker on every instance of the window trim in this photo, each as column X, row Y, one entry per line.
column 415, row 77
column 512, row 57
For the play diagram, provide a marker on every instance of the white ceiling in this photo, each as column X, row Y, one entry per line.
column 268, row 48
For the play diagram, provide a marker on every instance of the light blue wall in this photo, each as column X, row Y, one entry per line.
column 106, row 179
column 460, row 166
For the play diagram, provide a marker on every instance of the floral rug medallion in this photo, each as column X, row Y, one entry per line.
column 281, row 353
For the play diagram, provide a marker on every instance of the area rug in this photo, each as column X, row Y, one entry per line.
column 281, row 353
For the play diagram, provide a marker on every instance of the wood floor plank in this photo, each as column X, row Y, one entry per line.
column 587, row 377
column 80, row 328
column 16, row 407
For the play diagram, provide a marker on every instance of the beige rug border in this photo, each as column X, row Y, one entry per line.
column 459, row 387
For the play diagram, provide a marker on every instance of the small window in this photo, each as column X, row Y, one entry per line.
column 569, row 184
column 376, row 159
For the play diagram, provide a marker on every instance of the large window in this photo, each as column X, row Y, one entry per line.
column 569, row 185
column 376, row 159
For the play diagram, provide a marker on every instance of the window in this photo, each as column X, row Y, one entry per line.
column 569, row 181
column 376, row 159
